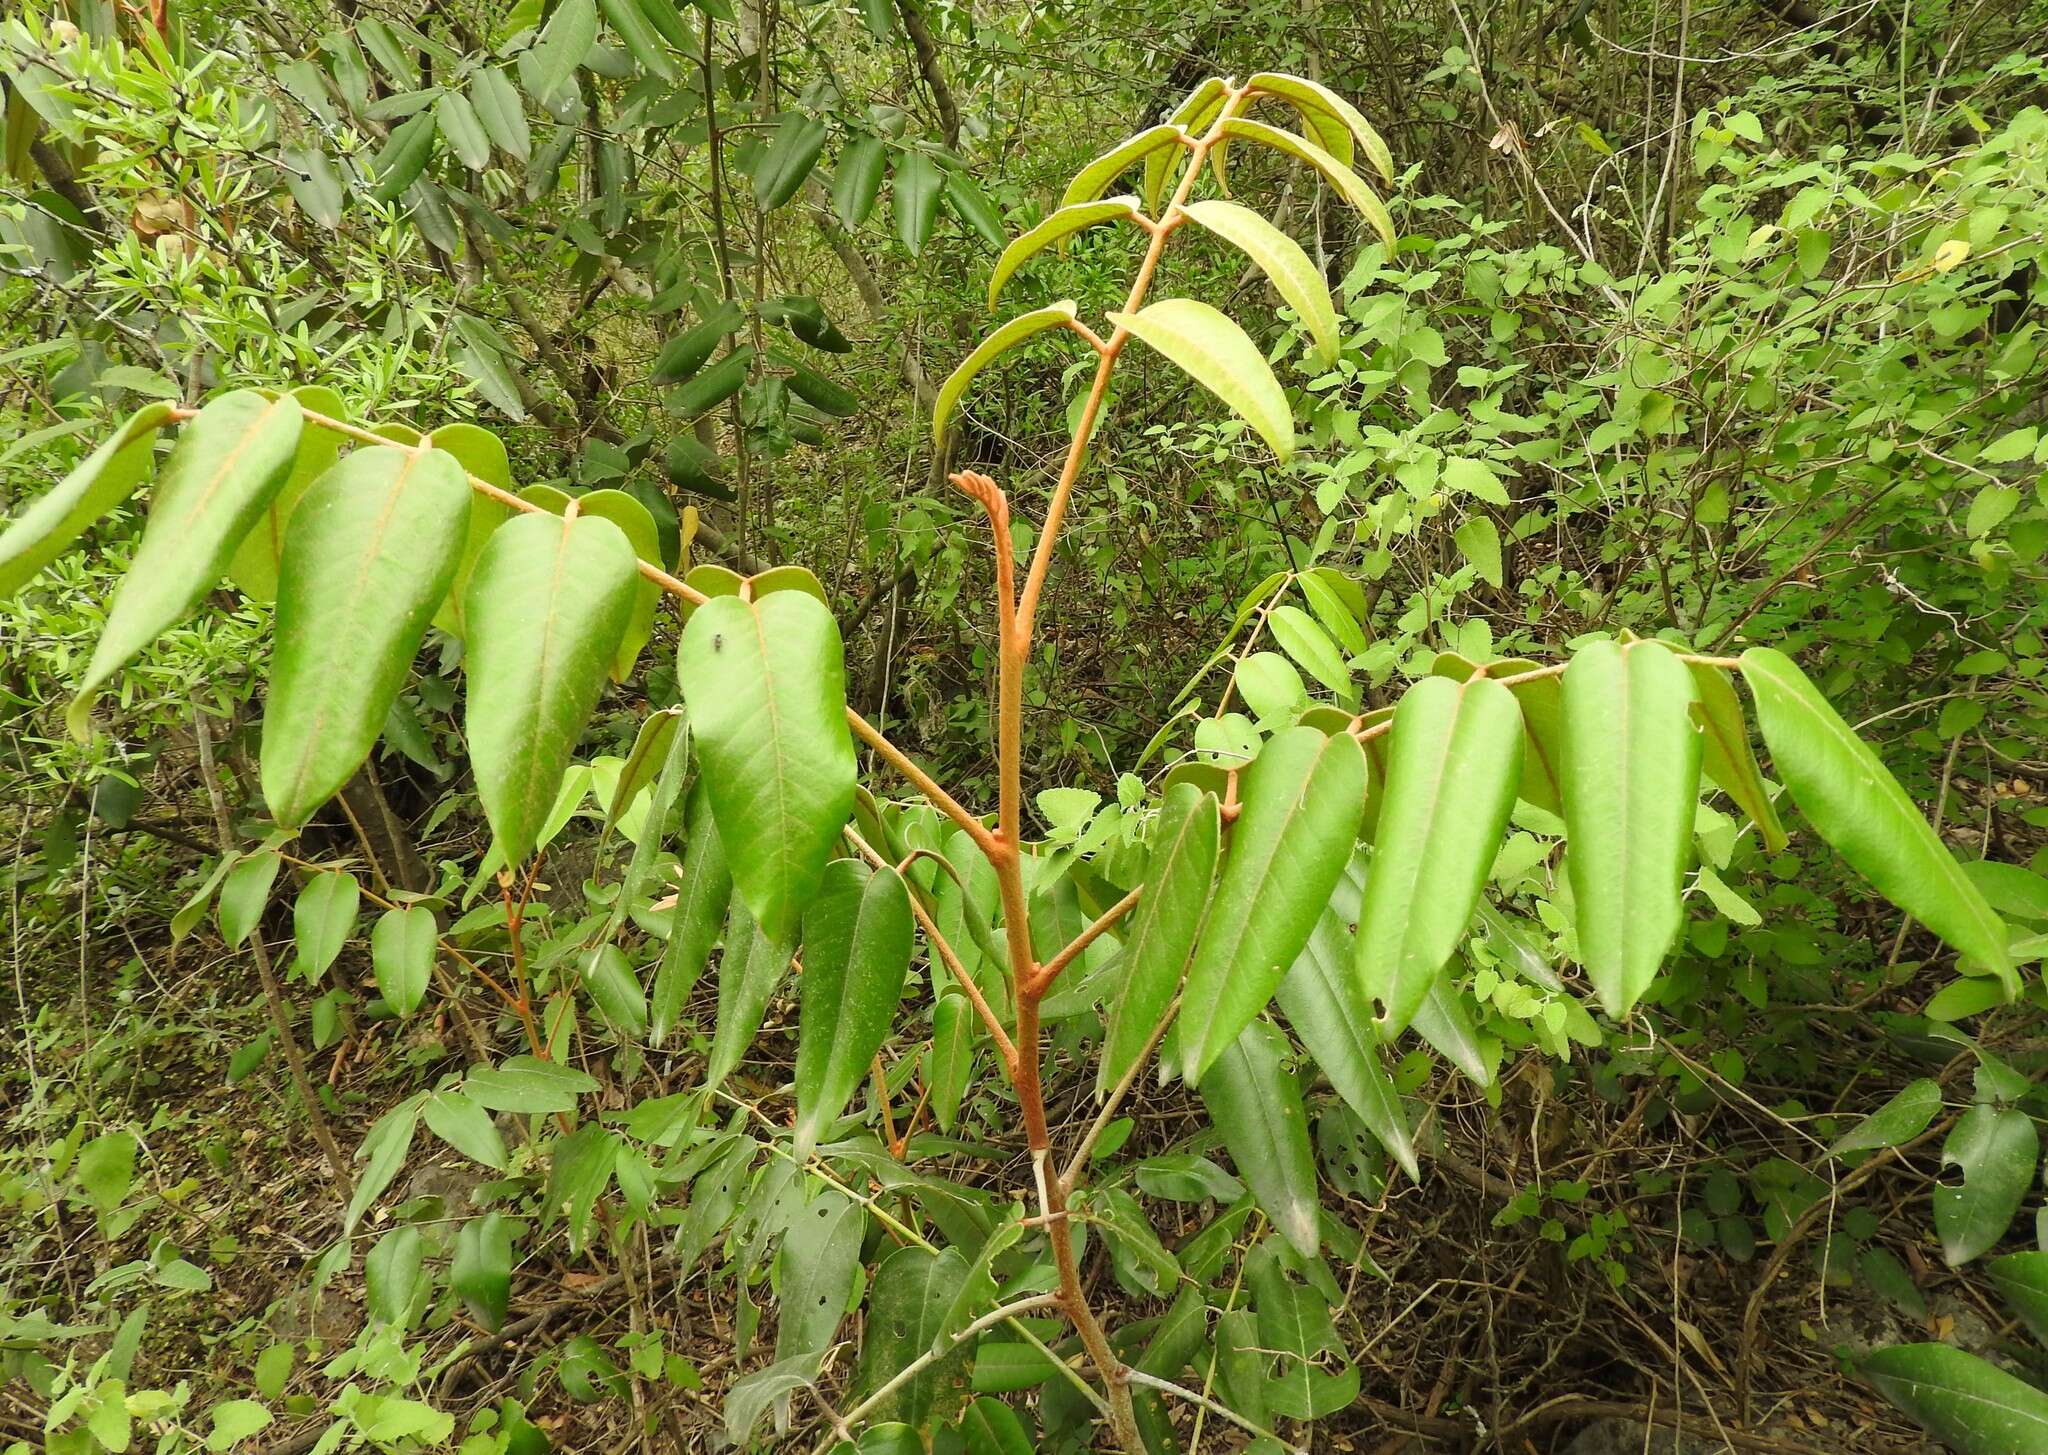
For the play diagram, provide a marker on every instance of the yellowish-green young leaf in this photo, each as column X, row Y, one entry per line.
column 1453, row 765
column 1849, row 796
column 765, row 682
column 1093, row 180
column 1309, row 97
column 1057, row 228
column 96, row 484
column 1346, row 181
column 546, row 607
column 482, row 454
column 369, row 553
column 255, row 563
column 1193, row 116
column 229, row 460
column 1256, row 1104
column 1631, row 784
column 1283, row 262
column 857, row 943
column 1169, row 917
column 1726, row 755
column 630, row 516
column 1301, row 802
column 1216, row 354
column 1023, row 326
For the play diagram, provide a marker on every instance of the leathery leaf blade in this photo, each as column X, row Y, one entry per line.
column 1300, row 805
column 1282, row 260
column 1213, row 351
column 1631, row 781
column 369, row 553
column 547, row 603
column 1848, row 795
column 857, row 943
column 1454, row 761
column 1256, row 1104
column 230, row 459
column 765, row 682
column 1178, row 878
column 96, row 484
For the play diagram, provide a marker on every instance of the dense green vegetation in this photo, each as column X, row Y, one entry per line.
column 907, row 726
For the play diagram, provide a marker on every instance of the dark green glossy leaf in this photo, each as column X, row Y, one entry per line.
column 912, row 1291
column 404, row 156
column 859, row 179
column 791, row 151
column 748, row 974
column 914, row 198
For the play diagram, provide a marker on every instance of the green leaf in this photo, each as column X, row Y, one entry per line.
column 244, row 893
column 550, row 62
column 466, row 136
column 105, row 1169
column 1294, row 1320
column 1969, row 1405
column 1194, row 115
column 323, row 917
column 369, row 554
column 1347, row 182
column 383, row 1153
column 608, row 976
column 314, row 184
column 1299, row 636
column 527, row 1086
column 913, row 1289
column 1475, row 478
column 748, row 974
column 790, row 153
column 859, row 179
column 497, row 105
column 950, row 1062
column 1997, row 1152
column 1726, row 756
column 1215, row 353
column 1285, row 265
column 96, row 484
column 704, row 891
column 235, row 1420
column 914, row 198
column 1329, row 1009
column 1093, row 180
column 390, row 1272
column 766, row 686
column 633, row 518
column 857, row 943
column 402, row 946
column 1631, row 784
column 1901, row 1119
column 403, row 156
column 466, row 1127
column 1301, row 801
column 1859, row 808
column 1023, row 326
column 2022, row 1281
column 482, row 454
column 971, row 205
column 1454, row 761
column 490, row 363
column 640, row 36
column 820, row 1260
column 991, row 1427
column 1478, row 541
column 1314, row 98
column 229, row 460
column 1178, row 876
column 481, row 1273
column 546, row 608
column 259, row 558
column 1255, row 1103
column 1063, row 224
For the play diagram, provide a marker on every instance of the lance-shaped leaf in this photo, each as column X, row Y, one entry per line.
column 96, row 484
column 857, row 942
column 701, row 899
column 1312, row 99
column 550, row 62
column 1169, row 916
column 787, row 159
column 914, row 198
column 1285, row 265
column 858, row 180
column 1726, row 757
column 765, row 682
column 1023, row 326
column 1194, row 114
column 546, row 606
column 950, row 1061
column 753, row 965
column 1860, row 809
column 498, row 107
column 481, row 1273
column 1215, row 353
column 1346, row 181
column 2022, row 1281
column 1256, row 1104
column 369, row 553
column 1057, row 228
column 1093, row 180
column 1452, row 767
column 913, row 1290
column 1300, row 806
column 482, row 454
column 820, row 1261
column 403, row 156
column 1969, row 1404
column 259, row 557
column 465, row 133
column 230, row 459
column 1330, row 1011
column 1631, row 783
column 635, row 26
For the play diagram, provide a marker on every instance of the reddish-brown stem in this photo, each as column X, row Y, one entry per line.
column 1050, row 971
column 515, row 917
